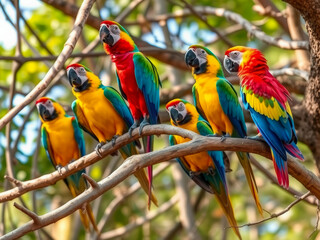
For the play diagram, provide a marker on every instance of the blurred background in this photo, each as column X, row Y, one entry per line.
column 163, row 30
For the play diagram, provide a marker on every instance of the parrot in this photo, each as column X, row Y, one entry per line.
column 137, row 77
column 217, row 102
column 206, row 169
column 63, row 141
column 102, row 112
column 267, row 101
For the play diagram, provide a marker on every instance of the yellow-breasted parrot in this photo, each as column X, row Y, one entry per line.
column 137, row 78
column 217, row 101
column 267, row 101
column 103, row 113
column 206, row 168
column 63, row 141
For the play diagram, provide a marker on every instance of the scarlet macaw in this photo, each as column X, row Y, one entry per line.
column 63, row 141
column 137, row 77
column 267, row 101
column 103, row 113
column 206, row 168
column 217, row 102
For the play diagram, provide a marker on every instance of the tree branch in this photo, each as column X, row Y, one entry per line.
column 58, row 65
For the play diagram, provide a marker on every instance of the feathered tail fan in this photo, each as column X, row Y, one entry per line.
column 281, row 168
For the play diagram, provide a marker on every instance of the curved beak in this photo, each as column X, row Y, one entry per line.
column 229, row 65
column 191, row 59
column 74, row 79
column 44, row 113
column 175, row 115
column 105, row 36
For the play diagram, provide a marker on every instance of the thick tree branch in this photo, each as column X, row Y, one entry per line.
column 197, row 144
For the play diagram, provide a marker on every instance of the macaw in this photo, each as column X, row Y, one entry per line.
column 102, row 112
column 267, row 101
column 206, row 168
column 64, row 143
column 216, row 101
column 137, row 78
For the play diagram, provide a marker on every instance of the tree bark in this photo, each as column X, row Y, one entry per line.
column 310, row 110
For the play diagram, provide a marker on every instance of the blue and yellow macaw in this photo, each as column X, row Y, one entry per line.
column 206, row 168
column 63, row 141
column 103, row 113
column 138, row 79
column 217, row 102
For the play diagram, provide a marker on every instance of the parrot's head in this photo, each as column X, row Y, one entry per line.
column 180, row 111
column 202, row 60
column 115, row 38
column 48, row 109
column 239, row 57
column 78, row 77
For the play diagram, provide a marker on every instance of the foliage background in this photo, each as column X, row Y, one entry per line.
column 53, row 27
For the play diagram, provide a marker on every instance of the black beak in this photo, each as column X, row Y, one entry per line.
column 175, row 116
column 191, row 59
column 74, row 80
column 105, row 36
column 230, row 66
column 44, row 113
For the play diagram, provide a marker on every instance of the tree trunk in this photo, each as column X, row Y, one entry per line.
column 310, row 116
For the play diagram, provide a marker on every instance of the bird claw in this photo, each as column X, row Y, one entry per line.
column 143, row 124
column 134, row 125
column 213, row 135
column 98, row 147
column 113, row 140
column 224, row 137
column 59, row 167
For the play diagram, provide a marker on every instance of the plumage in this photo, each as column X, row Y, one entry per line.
column 64, row 143
column 102, row 112
column 267, row 101
column 137, row 78
column 216, row 100
column 206, row 168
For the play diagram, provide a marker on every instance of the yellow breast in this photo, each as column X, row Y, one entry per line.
column 209, row 102
column 62, row 141
column 103, row 119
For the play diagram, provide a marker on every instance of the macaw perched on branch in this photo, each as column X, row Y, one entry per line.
column 137, row 78
column 206, row 168
column 103, row 113
column 217, row 102
column 267, row 101
column 63, row 141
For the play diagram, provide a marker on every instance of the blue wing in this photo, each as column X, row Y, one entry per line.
column 216, row 156
column 119, row 104
column 231, row 107
column 198, row 178
column 148, row 82
column 79, row 137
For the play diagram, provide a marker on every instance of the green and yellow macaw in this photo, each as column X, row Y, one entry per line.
column 206, row 168
column 63, row 141
column 217, row 102
column 103, row 113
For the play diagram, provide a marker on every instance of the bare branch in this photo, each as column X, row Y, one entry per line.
column 58, row 65
column 141, row 220
column 26, row 211
column 275, row 215
column 92, row 182
column 16, row 182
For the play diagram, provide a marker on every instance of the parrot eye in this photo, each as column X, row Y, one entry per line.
column 202, row 51
column 82, row 69
column 180, row 107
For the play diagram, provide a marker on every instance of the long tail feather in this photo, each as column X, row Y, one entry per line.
column 294, row 151
column 245, row 162
column 223, row 198
column 141, row 175
column 148, row 147
column 281, row 168
column 86, row 216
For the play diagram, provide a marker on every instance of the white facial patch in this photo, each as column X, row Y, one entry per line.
column 201, row 55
